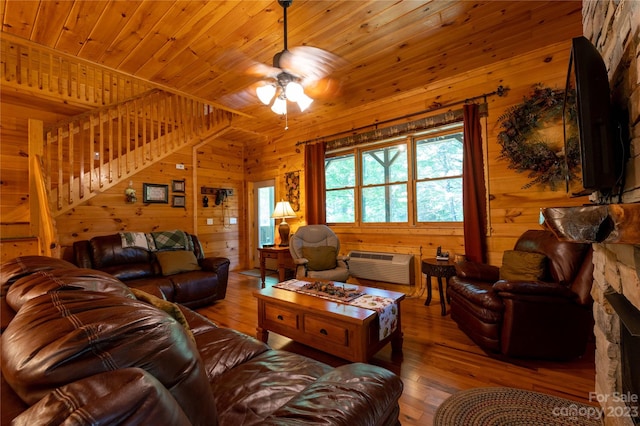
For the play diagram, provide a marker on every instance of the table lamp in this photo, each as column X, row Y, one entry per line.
column 282, row 211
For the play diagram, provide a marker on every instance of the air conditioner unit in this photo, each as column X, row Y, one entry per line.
column 389, row 267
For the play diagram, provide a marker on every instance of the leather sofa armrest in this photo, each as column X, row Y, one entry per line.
column 532, row 288
column 368, row 396
column 301, row 261
column 131, row 395
column 82, row 254
column 220, row 266
column 344, row 258
column 477, row 271
column 215, row 264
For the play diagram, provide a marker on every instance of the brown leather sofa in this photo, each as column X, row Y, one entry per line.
column 547, row 318
column 81, row 348
column 139, row 268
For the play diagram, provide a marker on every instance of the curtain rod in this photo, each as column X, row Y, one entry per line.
column 500, row 91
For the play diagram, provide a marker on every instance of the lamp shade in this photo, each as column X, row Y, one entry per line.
column 303, row 102
column 283, row 210
column 265, row 93
column 279, row 105
column 294, row 91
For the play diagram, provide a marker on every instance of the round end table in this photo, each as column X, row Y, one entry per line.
column 440, row 269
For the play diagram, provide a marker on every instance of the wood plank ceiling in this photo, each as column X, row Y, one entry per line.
column 205, row 48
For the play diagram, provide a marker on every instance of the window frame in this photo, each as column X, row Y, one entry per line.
column 411, row 141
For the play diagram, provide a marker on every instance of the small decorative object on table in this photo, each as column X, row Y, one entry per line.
column 339, row 292
column 440, row 255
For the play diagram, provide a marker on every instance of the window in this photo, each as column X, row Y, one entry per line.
column 340, row 177
column 414, row 180
column 439, row 179
column 384, row 184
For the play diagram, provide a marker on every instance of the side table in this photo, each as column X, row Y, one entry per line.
column 283, row 259
column 440, row 269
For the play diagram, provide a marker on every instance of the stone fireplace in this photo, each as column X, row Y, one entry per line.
column 616, row 280
column 613, row 26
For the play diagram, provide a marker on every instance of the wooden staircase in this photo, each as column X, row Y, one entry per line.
column 130, row 125
column 94, row 151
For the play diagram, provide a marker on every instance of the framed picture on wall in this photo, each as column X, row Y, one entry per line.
column 155, row 193
column 178, row 201
column 178, row 186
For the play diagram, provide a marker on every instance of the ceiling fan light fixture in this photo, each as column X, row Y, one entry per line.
column 294, row 91
column 279, row 105
column 265, row 93
column 303, row 102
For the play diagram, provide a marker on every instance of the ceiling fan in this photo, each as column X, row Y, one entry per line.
column 296, row 73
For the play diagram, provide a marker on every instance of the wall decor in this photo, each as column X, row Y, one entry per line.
column 155, row 193
column 130, row 193
column 292, row 182
column 178, row 201
column 178, row 186
column 527, row 151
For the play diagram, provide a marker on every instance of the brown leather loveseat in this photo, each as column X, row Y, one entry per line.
column 81, row 348
column 193, row 282
column 537, row 305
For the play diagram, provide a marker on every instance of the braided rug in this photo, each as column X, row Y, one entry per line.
column 503, row 406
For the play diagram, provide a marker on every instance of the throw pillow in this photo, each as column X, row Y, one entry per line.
column 166, row 306
column 320, row 258
column 523, row 266
column 174, row 262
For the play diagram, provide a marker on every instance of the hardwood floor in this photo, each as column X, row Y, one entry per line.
column 438, row 359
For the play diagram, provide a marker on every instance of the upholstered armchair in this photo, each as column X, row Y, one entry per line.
column 315, row 250
column 536, row 305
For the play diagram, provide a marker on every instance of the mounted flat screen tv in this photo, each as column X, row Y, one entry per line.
column 600, row 154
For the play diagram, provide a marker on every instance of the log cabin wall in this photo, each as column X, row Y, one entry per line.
column 213, row 163
column 512, row 209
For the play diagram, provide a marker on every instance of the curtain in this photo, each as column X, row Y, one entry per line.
column 314, row 183
column 473, row 188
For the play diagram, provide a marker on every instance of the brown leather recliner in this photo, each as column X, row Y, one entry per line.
column 549, row 318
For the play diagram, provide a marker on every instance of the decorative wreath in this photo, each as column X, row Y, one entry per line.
column 528, row 153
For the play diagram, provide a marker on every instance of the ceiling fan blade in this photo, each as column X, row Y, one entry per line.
column 235, row 61
column 243, row 98
column 323, row 89
column 310, row 63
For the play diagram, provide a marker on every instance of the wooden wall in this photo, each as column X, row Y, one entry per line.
column 512, row 209
column 213, row 163
column 234, row 164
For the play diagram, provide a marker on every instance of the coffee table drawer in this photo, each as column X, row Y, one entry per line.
column 319, row 328
column 280, row 316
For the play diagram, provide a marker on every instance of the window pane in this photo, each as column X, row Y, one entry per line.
column 340, row 172
column 384, row 204
column 340, row 206
column 385, row 165
column 439, row 157
column 439, row 200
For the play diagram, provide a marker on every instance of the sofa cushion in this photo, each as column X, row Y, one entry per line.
column 248, row 393
column 523, row 266
column 20, row 266
column 61, row 337
column 166, row 306
column 42, row 282
column 320, row 258
column 129, row 396
column 174, row 262
column 108, row 255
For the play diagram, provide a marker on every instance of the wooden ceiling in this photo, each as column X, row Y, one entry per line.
column 205, row 48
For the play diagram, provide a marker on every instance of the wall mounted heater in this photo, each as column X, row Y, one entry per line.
column 389, row 267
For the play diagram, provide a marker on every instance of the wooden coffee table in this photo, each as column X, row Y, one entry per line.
column 343, row 330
